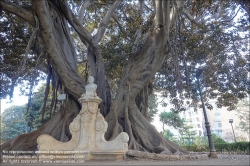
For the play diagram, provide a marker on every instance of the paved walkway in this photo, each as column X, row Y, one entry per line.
column 243, row 160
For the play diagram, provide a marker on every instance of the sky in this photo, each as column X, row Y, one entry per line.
column 17, row 100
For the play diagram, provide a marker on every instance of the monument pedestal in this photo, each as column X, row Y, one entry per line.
column 105, row 155
column 87, row 129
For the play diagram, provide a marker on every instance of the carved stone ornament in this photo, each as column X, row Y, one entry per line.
column 88, row 129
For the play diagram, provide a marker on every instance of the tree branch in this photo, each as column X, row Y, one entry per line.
column 246, row 6
column 102, row 27
column 75, row 23
column 194, row 21
column 141, row 5
column 166, row 17
column 83, row 7
column 120, row 26
column 19, row 11
column 225, row 21
column 137, row 40
column 61, row 54
column 159, row 23
column 191, row 18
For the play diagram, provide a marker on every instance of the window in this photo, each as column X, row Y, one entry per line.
column 219, row 125
column 198, row 125
column 197, row 119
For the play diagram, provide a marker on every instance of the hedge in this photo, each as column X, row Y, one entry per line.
column 224, row 147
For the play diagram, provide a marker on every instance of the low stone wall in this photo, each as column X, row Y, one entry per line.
column 154, row 156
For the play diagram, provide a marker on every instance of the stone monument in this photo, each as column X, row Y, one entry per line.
column 87, row 129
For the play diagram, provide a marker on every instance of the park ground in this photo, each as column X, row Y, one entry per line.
column 222, row 159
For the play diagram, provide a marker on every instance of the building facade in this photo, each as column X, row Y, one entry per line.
column 217, row 117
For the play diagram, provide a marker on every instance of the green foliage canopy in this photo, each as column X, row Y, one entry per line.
column 13, row 122
column 215, row 43
column 152, row 109
column 187, row 134
column 34, row 116
column 171, row 119
column 210, row 35
column 244, row 115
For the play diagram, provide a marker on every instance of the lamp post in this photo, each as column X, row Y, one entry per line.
column 231, row 121
column 213, row 153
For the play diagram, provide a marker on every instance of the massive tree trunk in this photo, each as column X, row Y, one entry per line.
column 123, row 114
column 139, row 72
column 57, row 42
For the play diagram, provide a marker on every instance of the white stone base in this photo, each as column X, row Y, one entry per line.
column 106, row 155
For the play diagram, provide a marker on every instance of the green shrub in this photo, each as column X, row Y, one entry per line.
column 235, row 147
column 222, row 147
column 196, row 148
column 217, row 139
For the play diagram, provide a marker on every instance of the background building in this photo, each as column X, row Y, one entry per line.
column 217, row 117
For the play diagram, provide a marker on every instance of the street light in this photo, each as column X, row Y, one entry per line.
column 213, row 153
column 231, row 121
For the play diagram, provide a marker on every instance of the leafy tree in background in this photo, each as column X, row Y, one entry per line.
column 151, row 108
column 15, row 120
column 171, row 119
column 215, row 52
column 200, row 140
column 170, row 136
column 217, row 139
column 187, row 134
column 242, row 137
column 36, row 117
column 203, row 140
column 13, row 123
column 244, row 116
column 129, row 48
